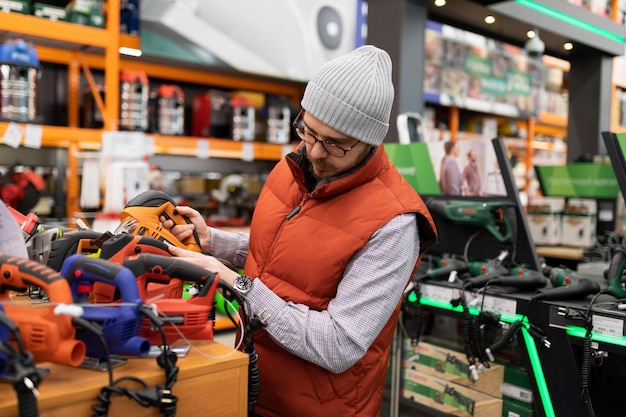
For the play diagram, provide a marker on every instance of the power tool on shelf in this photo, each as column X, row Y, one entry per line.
column 49, row 336
column 141, row 216
column 489, row 215
column 566, row 285
column 194, row 317
column 446, row 267
column 517, row 277
column 615, row 273
column 121, row 323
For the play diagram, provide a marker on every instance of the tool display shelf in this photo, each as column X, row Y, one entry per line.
column 210, row 371
column 83, row 48
column 555, row 372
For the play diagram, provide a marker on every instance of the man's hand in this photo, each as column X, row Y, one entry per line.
column 183, row 231
column 205, row 261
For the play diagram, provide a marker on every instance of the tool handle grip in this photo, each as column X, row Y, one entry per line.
column 524, row 282
column 163, row 268
column 18, row 274
column 581, row 289
column 80, row 269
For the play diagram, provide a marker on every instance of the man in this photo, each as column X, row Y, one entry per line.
column 335, row 237
column 471, row 175
column 450, row 180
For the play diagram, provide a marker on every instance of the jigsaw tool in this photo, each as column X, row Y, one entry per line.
column 71, row 242
column 117, row 249
column 193, row 317
column 483, row 214
column 120, row 323
column 141, row 216
column 50, row 337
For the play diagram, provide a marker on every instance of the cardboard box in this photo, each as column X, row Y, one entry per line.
column 451, row 366
column 448, row 397
column 578, row 223
column 517, row 395
column 50, row 12
column 15, row 6
column 544, row 220
column 192, row 185
column 513, row 408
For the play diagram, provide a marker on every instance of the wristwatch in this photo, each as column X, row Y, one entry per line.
column 242, row 284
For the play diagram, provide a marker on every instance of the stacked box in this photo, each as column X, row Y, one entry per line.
column 452, row 366
column 48, row 11
column 579, row 223
column 448, row 397
column 544, row 220
column 517, row 396
column 15, row 6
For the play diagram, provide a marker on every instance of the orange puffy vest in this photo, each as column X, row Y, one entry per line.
column 302, row 259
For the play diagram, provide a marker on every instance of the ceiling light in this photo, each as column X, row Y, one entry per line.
column 568, row 46
column 530, row 34
column 490, row 19
column 440, row 3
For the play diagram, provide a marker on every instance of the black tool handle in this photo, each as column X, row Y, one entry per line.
column 582, row 289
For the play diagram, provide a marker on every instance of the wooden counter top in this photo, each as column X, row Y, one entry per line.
column 216, row 385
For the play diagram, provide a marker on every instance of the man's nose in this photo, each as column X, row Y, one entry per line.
column 318, row 150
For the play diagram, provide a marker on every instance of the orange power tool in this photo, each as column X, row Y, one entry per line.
column 48, row 336
column 193, row 317
column 141, row 217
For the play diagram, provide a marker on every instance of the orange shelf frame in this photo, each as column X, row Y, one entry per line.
column 83, row 47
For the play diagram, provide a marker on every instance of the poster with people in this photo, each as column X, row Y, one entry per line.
column 466, row 168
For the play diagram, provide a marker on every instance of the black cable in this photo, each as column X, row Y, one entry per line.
column 468, row 345
column 249, row 325
column 157, row 396
column 23, row 372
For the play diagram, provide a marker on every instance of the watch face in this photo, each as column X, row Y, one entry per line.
column 243, row 283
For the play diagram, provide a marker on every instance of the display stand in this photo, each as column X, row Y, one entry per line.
column 212, row 381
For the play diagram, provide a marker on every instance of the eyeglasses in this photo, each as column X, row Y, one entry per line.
column 311, row 138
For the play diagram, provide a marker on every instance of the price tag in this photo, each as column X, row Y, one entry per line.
column 247, row 152
column 13, row 135
column 441, row 294
column 607, row 326
column 203, row 148
column 32, row 138
column 500, row 305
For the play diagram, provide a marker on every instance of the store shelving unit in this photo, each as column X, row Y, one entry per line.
column 83, row 48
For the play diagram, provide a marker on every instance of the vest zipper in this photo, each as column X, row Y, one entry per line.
column 297, row 208
column 293, row 212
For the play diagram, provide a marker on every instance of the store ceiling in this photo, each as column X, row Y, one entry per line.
column 469, row 15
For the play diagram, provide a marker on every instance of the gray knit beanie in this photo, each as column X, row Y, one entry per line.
column 353, row 94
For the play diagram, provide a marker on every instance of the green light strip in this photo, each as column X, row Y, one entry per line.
column 540, row 378
column 531, row 348
column 581, row 332
column 570, row 20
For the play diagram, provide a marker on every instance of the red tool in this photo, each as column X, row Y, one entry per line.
column 48, row 336
column 193, row 317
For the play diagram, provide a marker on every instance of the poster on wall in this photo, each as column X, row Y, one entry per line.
column 287, row 39
column 470, row 71
column 456, row 168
